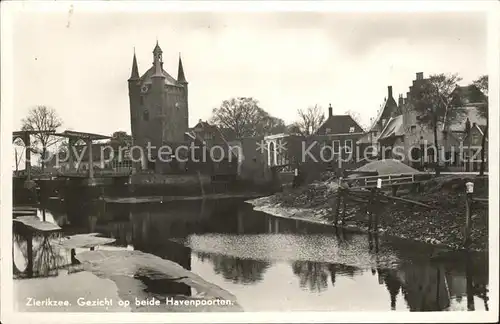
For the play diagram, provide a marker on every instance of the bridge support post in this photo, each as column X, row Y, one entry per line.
column 27, row 163
column 71, row 158
column 90, row 159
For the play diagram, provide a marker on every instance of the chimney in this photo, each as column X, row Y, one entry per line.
column 389, row 92
column 420, row 75
column 404, row 101
column 400, row 100
column 330, row 111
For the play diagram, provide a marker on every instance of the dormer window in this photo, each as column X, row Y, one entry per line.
column 383, row 122
column 351, row 129
column 328, row 130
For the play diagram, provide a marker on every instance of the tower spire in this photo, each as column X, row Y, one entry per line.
column 158, row 61
column 134, row 75
column 181, row 78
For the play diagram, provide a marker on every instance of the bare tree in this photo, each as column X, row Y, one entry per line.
column 357, row 118
column 438, row 105
column 482, row 84
column 42, row 118
column 309, row 121
column 245, row 118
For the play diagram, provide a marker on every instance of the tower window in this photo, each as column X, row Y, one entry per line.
column 142, row 100
column 145, row 115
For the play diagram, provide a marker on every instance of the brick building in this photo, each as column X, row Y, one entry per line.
column 158, row 105
column 397, row 133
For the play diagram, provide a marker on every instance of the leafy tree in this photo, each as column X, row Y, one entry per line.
column 42, row 118
column 309, row 121
column 437, row 105
column 482, row 84
column 120, row 139
column 245, row 118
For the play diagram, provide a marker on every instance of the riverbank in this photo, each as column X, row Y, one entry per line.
column 441, row 225
column 117, row 280
column 162, row 199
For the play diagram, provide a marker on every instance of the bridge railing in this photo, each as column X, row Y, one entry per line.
column 74, row 173
column 387, row 180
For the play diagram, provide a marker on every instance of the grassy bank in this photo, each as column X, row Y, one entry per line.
column 441, row 225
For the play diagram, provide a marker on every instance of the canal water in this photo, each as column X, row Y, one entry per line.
column 276, row 264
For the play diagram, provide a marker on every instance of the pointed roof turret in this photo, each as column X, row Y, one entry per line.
column 158, row 71
column 181, row 78
column 157, row 62
column 157, row 48
column 134, row 75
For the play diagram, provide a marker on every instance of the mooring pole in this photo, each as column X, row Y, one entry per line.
column 339, row 197
column 344, row 193
column 377, row 202
column 469, row 283
column 369, row 209
column 469, row 190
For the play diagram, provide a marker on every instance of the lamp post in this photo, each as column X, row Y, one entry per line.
column 469, row 190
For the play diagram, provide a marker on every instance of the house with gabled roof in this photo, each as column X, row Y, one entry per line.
column 419, row 139
column 388, row 110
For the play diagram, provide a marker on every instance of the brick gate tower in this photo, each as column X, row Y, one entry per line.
column 158, row 104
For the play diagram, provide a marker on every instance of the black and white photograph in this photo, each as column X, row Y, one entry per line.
column 220, row 161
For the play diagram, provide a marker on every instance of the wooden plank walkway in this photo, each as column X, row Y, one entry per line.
column 85, row 241
column 35, row 224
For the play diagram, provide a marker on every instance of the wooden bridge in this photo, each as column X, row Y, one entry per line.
column 98, row 173
column 73, row 138
column 388, row 180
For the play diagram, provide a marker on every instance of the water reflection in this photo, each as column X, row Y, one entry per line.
column 236, row 270
column 227, row 243
column 313, row 275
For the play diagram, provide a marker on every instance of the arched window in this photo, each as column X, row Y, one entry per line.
column 145, row 115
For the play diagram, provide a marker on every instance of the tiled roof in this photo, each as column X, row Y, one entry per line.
column 472, row 113
column 339, row 124
column 470, row 94
column 389, row 107
column 146, row 77
column 393, row 128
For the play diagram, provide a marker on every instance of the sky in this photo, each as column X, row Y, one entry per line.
column 78, row 62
